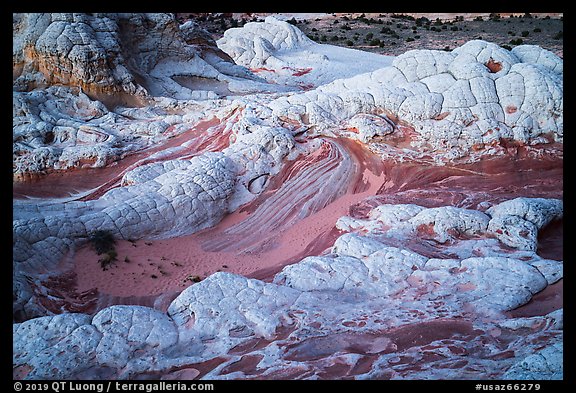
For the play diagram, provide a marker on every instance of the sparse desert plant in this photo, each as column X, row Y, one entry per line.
column 103, row 242
column 107, row 259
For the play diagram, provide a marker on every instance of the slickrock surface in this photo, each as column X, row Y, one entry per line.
column 282, row 209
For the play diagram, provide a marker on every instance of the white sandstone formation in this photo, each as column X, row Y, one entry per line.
column 162, row 200
column 74, row 74
column 280, row 53
column 516, row 222
column 547, row 364
column 361, row 276
column 470, row 99
column 137, row 54
column 406, row 281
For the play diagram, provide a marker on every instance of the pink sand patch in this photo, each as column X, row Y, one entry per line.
column 151, row 267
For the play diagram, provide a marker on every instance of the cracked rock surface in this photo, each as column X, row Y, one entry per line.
column 422, row 194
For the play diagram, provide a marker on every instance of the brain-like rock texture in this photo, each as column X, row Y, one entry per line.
column 137, row 54
column 228, row 311
column 279, row 52
column 391, row 280
column 474, row 97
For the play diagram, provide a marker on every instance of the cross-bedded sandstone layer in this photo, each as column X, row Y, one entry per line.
column 377, row 219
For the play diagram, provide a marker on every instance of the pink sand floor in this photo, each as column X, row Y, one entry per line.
column 151, row 267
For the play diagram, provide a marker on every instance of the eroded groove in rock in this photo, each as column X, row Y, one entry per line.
column 282, row 209
column 307, row 187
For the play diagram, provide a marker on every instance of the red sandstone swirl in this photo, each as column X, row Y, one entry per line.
column 308, row 196
column 208, row 135
column 304, row 187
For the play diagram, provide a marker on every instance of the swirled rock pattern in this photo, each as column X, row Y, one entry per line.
column 234, row 150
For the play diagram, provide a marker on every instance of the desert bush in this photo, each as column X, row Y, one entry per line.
column 103, row 242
